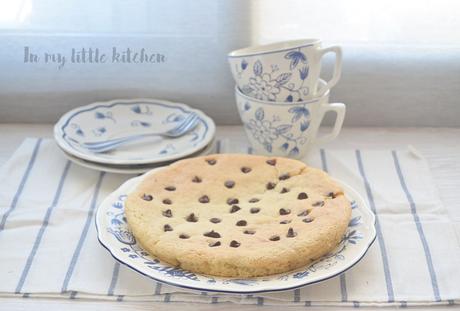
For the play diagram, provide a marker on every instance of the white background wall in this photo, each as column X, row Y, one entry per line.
column 401, row 58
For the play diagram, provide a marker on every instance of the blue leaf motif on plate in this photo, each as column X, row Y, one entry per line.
column 355, row 221
column 258, row 68
column 284, row 146
column 304, row 125
column 295, row 57
column 268, row 147
column 116, row 222
column 117, row 204
column 300, row 275
column 294, row 151
column 177, row 272
column 140, row 123
column 354, row 205
column 136, row 109
column 259, row 114
column 123, row 236
column 99, row 131
column 283, row 78
column 246, row 89
column 303, row 72
column 101, row 116
column 290, row 98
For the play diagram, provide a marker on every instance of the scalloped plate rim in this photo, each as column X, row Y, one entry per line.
column 58, row 132
column 348, row 189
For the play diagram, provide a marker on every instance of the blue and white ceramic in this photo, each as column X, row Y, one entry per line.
column 287, row 129
column 283, row 72
column 133, row 169
column 114, row 234
column 120, row 118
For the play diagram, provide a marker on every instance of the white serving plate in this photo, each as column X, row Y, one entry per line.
column 114, row 234
column 119, row 118
column 132, row 169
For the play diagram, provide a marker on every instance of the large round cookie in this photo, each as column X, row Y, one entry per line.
column 238, row 215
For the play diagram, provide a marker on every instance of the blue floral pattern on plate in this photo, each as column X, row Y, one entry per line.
column 103, row 121
column 115, row 235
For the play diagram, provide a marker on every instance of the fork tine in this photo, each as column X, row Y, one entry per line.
column 193, row 123
column 184, row 123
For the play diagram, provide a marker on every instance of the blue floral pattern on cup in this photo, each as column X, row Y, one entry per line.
column 273, row 85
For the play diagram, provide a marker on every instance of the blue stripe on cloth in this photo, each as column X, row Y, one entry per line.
column 158, row 289
column 167, row 297
column 260, row 301
column 418, row 224
column 297, row 295
column 84, row 232
column 113, row 282
column 381, row 240
column 21, row 185
column 43, row 227
column 120, row 298
column 355, row 304
column 73, row 294
column 403, row 304
column 343, row 281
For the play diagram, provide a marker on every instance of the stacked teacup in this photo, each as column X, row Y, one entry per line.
column 281, row 98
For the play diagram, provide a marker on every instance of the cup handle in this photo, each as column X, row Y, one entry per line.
column 339, row 109
column 337, row 67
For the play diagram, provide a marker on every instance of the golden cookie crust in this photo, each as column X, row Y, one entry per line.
column 238, row 215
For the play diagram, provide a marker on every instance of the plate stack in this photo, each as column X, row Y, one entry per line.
column 106, row 123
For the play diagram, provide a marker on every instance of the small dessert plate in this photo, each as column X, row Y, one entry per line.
column 99, row 122
column 132, row 169
column 114, row 234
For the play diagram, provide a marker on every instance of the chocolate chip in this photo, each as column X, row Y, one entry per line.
column 241, row 223
column 212, row 234
column 271, row 162
column 147, row 197
column 270, row 185
column 291, row 233
column 254, row 200
column 229, row 184
column 331, row 195
column 191, row 218
column 232, row 201
column 307, row 220
column 319, row 203
column 249, row 232
column 184, row 236
column 170, row 188
column 285, row 211
column 245, row 169
column 284, row 190
column 214, row 244
column 304, row 213
column 234, row 243
column 211, row 161
column 275, row 238
column 167, row 213
column 284, row 176
column 196, row 179
column 204, row 199
column 254, row 210
column 167, row 201
column 302, row 196
column 284, row 222
column 167, row 228
column 234, row 209
column 215, row 220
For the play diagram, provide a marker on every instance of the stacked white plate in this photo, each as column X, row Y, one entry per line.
column 102, row 121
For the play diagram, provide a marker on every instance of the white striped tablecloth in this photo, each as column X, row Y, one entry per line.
column 48, row 244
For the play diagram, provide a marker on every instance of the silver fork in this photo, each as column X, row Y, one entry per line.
column 189, row 123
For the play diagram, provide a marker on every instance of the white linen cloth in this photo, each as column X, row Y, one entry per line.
column 48, row 244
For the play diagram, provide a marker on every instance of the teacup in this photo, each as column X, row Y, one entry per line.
column 283, row 72
column 287, row 129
